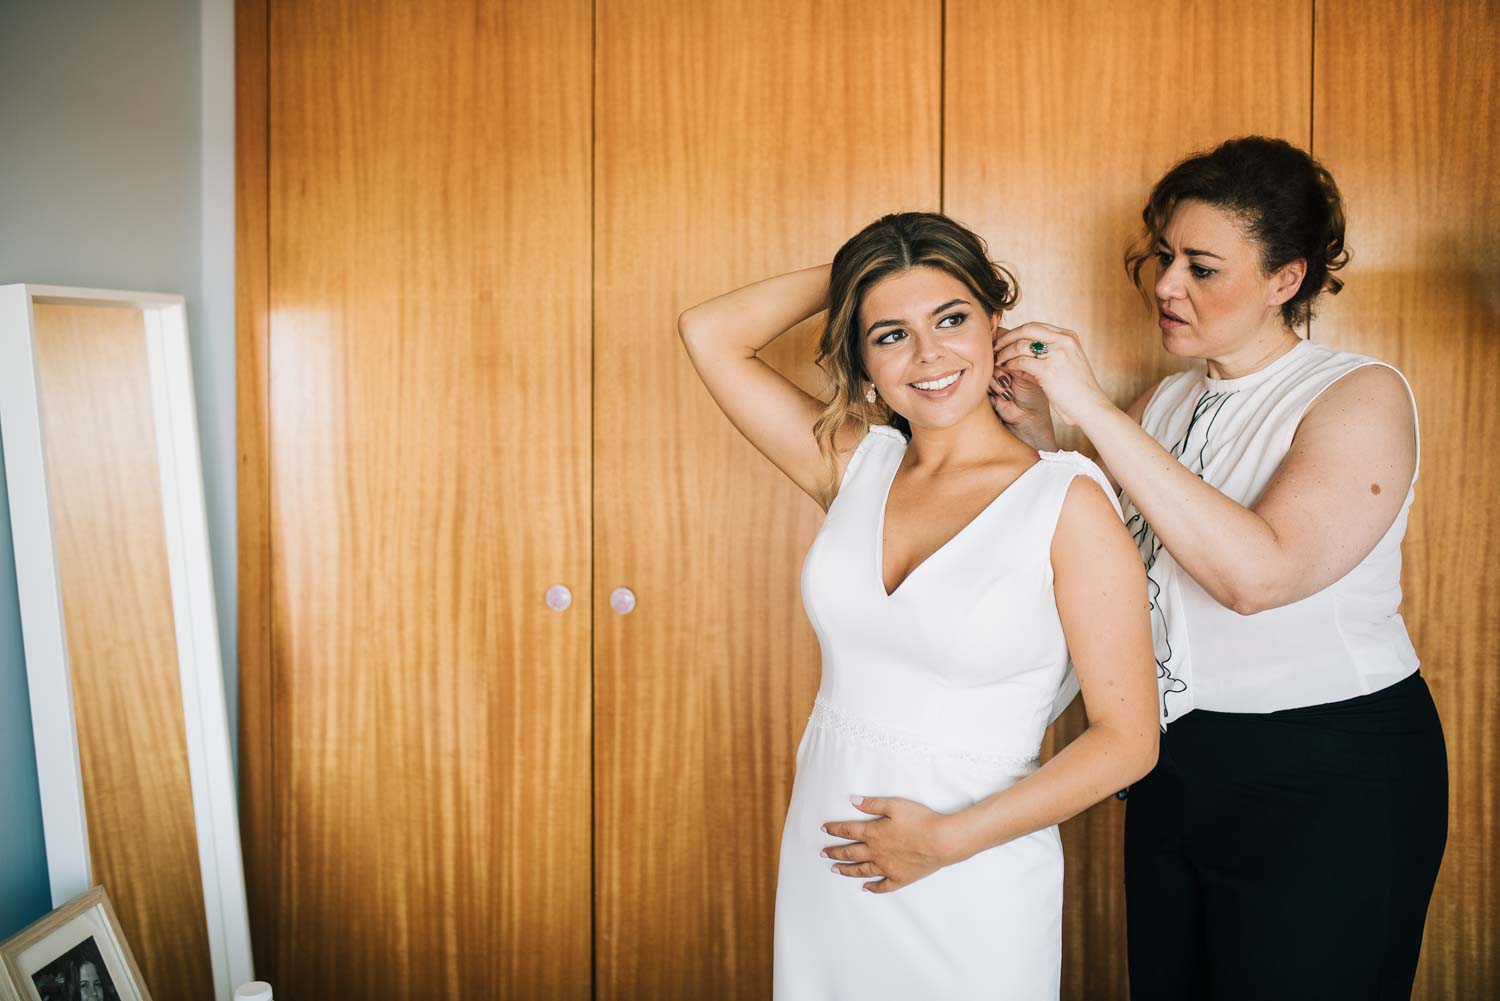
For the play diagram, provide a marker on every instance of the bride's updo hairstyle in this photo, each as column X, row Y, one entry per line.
column 888, row 246
column 1283, row 199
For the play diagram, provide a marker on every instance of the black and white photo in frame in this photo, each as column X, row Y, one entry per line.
column 76, row 953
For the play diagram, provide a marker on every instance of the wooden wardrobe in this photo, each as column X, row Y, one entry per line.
column 465, row 230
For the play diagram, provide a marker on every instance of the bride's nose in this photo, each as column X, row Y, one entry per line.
column 926, row 346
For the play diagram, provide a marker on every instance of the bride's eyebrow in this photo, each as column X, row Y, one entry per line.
column 896, row 323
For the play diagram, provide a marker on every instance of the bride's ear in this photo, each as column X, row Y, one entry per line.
column 997, row 331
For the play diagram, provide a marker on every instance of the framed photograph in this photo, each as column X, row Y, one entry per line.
column 76, row 953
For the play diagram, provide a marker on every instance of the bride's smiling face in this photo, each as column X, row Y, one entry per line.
column 927, row 345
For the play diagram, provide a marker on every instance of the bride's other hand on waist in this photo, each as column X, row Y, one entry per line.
column 905, row 842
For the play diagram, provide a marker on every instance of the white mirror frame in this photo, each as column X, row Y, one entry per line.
column 205, row 718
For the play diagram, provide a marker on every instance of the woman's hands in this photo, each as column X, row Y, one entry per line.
column 1021, row 404
column 906, row 842
column 1063, row 375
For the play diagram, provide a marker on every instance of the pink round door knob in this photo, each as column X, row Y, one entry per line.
column 622, row 600
column 559, row 598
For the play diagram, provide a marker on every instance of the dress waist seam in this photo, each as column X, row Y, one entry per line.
column 828, row 717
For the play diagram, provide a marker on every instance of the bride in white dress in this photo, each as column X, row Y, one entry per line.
column 955, row 575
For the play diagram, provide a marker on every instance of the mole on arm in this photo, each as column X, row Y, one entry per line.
column 1375, row 488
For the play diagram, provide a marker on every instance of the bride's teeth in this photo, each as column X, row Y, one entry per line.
column 939, row 384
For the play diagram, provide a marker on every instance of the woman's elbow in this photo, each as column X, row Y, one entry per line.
column 1252, row 596
column 1261, row 599
column 1242, row 603
column 1147, row 748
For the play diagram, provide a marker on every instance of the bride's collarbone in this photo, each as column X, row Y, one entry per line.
column 925, row 511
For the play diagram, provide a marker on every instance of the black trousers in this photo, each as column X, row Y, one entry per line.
column 1288, row 855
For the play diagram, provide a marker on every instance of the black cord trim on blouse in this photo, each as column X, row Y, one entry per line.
column 1150, row 546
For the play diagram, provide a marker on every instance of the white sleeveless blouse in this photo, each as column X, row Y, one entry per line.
column 1344, row 641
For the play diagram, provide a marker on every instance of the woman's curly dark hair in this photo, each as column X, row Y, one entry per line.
column 1286, row 200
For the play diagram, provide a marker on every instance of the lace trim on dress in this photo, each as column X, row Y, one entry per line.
column 825, row 716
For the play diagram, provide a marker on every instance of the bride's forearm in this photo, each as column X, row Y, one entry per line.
column 749, row 318
column 1098, row 763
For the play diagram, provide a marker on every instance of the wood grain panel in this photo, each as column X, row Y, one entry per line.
column 428, row 454
column 1405, row 119
column 104, row 483
column 732, row 142
column 1059, row 118
column 252, row 429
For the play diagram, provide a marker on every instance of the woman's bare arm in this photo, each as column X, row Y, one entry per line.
column 1335, row 493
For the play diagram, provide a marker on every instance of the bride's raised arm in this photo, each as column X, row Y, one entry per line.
column 724, row 336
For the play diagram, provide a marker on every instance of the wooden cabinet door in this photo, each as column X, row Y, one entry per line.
column 466, row 230
column 1405, row 120
column 733, row 141
column 423, row 829
column 1058, row 119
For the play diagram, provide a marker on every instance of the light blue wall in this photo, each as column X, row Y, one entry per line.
column 23, row 859
column 116, row 171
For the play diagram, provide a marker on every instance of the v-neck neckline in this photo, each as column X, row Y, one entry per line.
column 880, row 527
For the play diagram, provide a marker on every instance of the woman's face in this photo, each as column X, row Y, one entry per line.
column 1212, row 297
column 90, row 986
column 927, row 345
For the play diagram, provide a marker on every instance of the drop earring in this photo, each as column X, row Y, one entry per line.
column 870, row 394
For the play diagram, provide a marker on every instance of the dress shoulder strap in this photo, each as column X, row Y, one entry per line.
column 1075, row 464
column 880, row 439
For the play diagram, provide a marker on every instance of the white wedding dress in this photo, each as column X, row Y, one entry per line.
column 939, row 693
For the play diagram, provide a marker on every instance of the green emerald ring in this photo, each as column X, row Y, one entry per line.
column 1038, row 348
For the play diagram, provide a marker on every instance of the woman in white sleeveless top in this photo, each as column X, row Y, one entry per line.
column 1287, row 842
column 955, row 573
